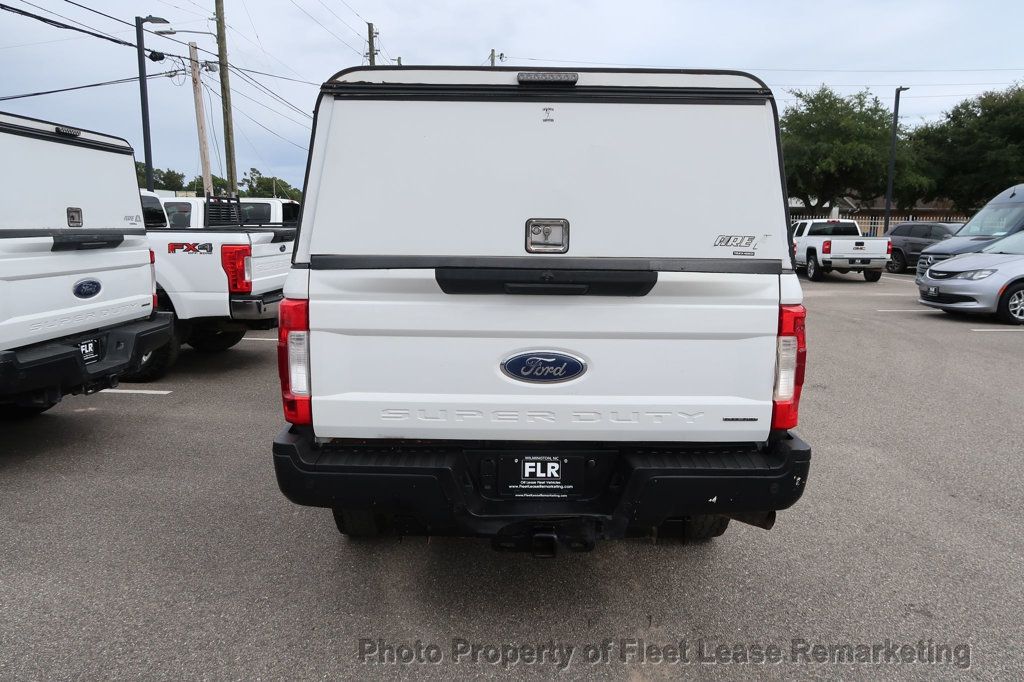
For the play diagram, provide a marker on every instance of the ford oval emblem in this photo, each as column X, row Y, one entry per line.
column 543, row 367
column 86, row 288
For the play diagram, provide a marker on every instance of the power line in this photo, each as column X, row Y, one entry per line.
column 353, row 11
column 274, row 75
column 318, row 23
column 130, row 79
column 272, row 132
column 270, row 109
column 58, row 24
column 662, row 66
column 267, row 91
column 213, row 127
column 334, row 14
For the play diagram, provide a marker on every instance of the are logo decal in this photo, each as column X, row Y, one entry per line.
column 543, row 367
column 187, row 247
column 735, row 240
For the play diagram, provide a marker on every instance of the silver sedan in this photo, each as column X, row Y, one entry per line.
column 991, row 281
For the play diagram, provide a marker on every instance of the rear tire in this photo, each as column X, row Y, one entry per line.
column 872, row 275
column 214, row 340
column 696, row 528
column 359, row 523
column 22, row 412
column 897, row 264
column 156, row 363
column 813, row 269
column 1011, row 305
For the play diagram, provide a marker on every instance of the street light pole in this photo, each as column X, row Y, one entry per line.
column 892, row 158
column 140, row 46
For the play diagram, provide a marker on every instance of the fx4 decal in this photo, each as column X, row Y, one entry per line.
column 187, row 247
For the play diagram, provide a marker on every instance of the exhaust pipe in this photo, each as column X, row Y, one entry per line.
column 760, row 519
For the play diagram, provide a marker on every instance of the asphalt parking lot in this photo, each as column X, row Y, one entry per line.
column 143, row 534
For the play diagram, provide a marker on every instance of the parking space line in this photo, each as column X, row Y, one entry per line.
column 1008, row 329
column 907, row 310
column 140, row 391
column 258, row 338
column 898, row 279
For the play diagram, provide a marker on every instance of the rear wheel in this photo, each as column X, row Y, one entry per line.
column 872, row 275
column 898, row 263
column 813, row 269
column 19, row 412
column 360, row 523
column 213, row 339
column 697, row 528
column 1011, row 305
column 156, row 362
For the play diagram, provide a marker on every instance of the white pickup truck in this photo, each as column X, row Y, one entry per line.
column 822, row 246
column 546, row 331
column 191, row 211
column 219, row 280
column 76, row 273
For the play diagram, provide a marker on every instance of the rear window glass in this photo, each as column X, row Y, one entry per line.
column 255, row 213
column 995, row 220
column 179, row 213
column 153, row 212
column 834, row 230
column 290, row 213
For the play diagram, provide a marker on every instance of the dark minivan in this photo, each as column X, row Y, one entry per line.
column 910, row 239
column 1001, row 217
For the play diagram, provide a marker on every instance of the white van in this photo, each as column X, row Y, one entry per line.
column 77, row 290
column 571, row 316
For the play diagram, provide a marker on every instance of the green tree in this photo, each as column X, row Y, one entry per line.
column 255, row 184
column 220, row 185
column 977, row 149
column 837, row 146
column 162, row 178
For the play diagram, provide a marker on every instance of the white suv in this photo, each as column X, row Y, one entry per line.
column 544, row 329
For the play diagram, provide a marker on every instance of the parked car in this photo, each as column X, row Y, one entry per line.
column 1001, row 217
column 517, row 340
column 218, row 281
column 910, row 239
column 991, row 281
column 191, row 212
column 77, row 296
column 822, row 246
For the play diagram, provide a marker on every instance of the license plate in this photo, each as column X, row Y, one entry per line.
column 541, row 476
column 932, row 291
column 90, row 350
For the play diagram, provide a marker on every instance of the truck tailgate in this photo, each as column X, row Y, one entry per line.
column 859, row 247
column 397, row 358
column 271, row 258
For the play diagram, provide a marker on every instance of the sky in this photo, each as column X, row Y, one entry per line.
column 945, row 51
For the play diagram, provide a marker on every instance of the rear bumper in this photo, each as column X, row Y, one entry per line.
column 257, row 307
column 456, row 487
column 857, row 263
column 44, row 372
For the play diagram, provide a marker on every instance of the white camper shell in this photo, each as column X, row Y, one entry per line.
column 76, row 274
column 557, row 260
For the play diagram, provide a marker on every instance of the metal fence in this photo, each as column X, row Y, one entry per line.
column 872, row 226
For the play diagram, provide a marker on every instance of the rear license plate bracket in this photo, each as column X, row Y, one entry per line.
column 90, row 350
column 540, row 476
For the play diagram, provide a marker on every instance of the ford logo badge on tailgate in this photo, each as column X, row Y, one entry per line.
column 86, row 288
column 543, row 367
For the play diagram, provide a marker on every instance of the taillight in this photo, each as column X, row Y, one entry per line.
column 826, row 246
column 293, row 360
column 888, row 248
column 236, row 259
column 790, row 360
column 152, row 275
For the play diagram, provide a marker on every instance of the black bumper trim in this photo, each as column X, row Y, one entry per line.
column 44, row 372
column 446, row 488
column 259, row 307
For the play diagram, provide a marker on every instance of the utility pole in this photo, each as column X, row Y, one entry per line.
column 492, row 57
column 147, row 145
column 398, row 60
column 892, row 158
column 197, row 95
column 225, row 98
column 371, row 35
